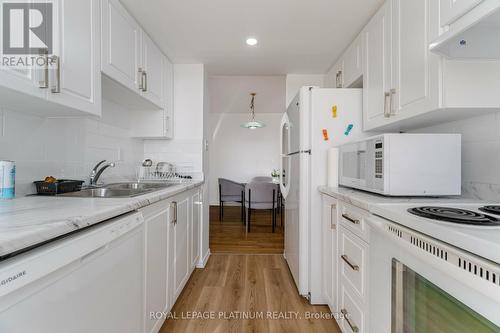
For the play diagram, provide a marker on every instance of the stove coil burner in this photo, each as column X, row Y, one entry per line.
column 491, row 209
column 455, row 215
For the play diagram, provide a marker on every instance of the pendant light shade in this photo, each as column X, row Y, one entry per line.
column 253, row 124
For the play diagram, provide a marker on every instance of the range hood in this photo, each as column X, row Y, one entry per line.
column 476, row 35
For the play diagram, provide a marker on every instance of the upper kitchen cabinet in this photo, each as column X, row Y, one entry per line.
column 130, row 60
column 69, row 84
column 377, row 78
column 121, row 39
column 470, row 29
column 76, row 80
column 405, row 85
column 158, row 124
column 353, row 65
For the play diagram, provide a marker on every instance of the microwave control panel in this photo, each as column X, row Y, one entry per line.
column 379, row 159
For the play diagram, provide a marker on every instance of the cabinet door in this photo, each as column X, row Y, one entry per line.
column 415, row 68
column 451, row 10
column 169, row 99
column 353, row 68
column 156, row 265
column 195, row 229
column 181, row 245
column 377, row 67
column 75, row 79
column 120, row 44
column 152, row 80
column 329, row 219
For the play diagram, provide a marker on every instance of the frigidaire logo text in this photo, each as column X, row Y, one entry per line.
column 12, row 278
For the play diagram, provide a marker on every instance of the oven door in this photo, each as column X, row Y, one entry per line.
column 353, row 163
column 417, row 286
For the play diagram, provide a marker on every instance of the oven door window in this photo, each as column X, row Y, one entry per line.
column 420, row 306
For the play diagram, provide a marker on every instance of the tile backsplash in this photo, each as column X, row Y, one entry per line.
column 480, row 154
column 68, row 147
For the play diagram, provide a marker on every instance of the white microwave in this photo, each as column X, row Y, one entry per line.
column 403, row 164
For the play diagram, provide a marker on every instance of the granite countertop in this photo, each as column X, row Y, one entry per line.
column 482, row 241
column 28, row 221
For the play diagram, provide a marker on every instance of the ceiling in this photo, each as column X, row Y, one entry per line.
column 231, row 94
column 295, row 36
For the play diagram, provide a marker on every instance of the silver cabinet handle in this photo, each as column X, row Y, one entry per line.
column 145, row 82
column 333, row 211
column 348, row 262
column 387, row 107
column 141, row 78
column 392, row 109
column 174, row 221
column 44, row 84
column 350, row 219
column 57, row 86
column 353, row 326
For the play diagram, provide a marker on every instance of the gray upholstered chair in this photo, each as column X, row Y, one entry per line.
column 261, row 195
column 231, row 191
column 262, row 179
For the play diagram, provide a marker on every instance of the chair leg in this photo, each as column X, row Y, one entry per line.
column 222, row 211
column 273, row 212
column 220, row 202
column 249, row 209
column 242, row 207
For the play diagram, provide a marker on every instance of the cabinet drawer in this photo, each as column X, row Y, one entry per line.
column 353, row 312
column 353, row 257
column 354, row 219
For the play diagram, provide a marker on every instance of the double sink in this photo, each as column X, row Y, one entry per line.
column 118, row 190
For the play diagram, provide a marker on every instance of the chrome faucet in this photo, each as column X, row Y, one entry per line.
column 96, row 172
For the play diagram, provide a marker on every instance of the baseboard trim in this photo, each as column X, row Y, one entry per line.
column 203, row 262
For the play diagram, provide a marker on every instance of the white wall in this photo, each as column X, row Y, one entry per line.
column 68, row 148
column 480, row 154
column 240, row 154
column 186, row 147
column 296, row 81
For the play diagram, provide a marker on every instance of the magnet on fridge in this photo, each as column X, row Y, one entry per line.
column 325, row 134
column 334, row 111
column 348, row 129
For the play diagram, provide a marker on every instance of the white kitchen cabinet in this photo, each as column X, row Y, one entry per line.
column 121, row 45
column 415, row 71
column 330, row 227
column 451, row 10
column 197, row 205
column 180, row 243
column 71, row 85
column 76, row 79
column 157, row 124
column 353, row 64
column 377, row 78
column 157, row 222
column 152, row 71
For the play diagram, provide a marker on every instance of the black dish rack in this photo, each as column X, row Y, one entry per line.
column 58, row 187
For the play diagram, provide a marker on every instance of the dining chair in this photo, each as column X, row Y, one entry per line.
column 231, row 191
column 260, row 196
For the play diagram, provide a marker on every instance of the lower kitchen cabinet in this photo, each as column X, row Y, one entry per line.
column 330, row 227
column 172, row 243
column 179, row 244
column 195, row 227
column 156, row 220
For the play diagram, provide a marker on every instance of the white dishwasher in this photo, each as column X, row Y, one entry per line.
column 92, row 281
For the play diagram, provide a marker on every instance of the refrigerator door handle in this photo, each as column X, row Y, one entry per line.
column 300, row 152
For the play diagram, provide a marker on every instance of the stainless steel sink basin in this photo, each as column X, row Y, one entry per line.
column 118, row 190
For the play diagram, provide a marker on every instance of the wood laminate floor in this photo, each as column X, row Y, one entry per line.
column 230, row 236
column 246, row 293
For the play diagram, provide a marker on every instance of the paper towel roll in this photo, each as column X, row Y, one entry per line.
column 333, row 167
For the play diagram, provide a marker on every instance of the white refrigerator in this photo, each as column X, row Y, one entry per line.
column 316, row 120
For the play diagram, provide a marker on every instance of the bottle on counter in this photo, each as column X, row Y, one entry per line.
column 7, row 179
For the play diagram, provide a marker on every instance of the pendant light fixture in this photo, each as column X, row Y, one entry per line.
column 253, row 124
